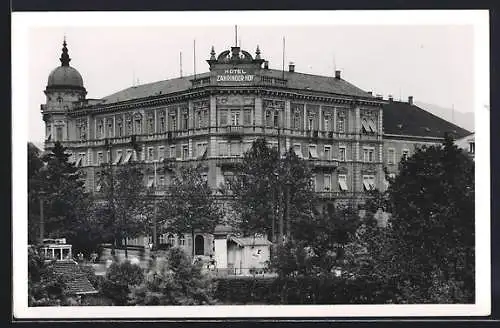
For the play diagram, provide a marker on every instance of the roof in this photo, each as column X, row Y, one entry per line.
column 250, row 241
column 296, row 80
column 77, row 283
column 403, row 118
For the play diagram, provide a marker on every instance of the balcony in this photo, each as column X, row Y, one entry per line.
column 337, row 194
column 229, row 161
column 324, row 163
column 235, row 131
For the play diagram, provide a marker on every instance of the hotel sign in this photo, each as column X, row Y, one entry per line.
column 235, row 75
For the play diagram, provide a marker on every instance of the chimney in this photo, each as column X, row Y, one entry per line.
column 266, row 65
column 410, row 100
column 291, row 67
column 370, row 93
column 391, row 98
column 337, row 74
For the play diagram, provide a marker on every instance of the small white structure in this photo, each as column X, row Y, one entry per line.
column 247, row 254
column 239, row 255
column 56, row 249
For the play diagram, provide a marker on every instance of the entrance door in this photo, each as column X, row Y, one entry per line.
column 199, row 245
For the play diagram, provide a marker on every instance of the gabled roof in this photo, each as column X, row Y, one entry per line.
column 77, row 283
column 403, row 118
column 296, row 80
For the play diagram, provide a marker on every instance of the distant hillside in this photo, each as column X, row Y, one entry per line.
column 463, row 120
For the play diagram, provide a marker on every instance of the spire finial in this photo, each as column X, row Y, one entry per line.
column 64, row 56
column 212, row 54
column 235, row 35
column 257, row 53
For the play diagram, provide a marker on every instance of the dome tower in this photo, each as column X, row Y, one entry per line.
column 64, row 88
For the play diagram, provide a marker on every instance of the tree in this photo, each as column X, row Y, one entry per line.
column 190, row 204
column 427, row 251
column 176, row 282
column 120, row 278
column 267, row 188
column 34, row 186
column 124, row 208
column 64, row 197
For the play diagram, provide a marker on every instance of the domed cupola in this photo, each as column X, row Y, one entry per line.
column 65, row 76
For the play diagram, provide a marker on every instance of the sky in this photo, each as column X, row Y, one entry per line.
column 432, row 63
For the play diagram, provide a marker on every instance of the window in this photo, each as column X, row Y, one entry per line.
column 313, row 153
column 391, row 156
column 171, row 239
column 162, row 123
column 201, row 149
column 310, row 123
column 99, row 158
column 129, row 126
column 327, row 183
column 172, row 152
column 368, row 154
column 161, row 181
column 405, row 154
column 185, row 152
column 223, row 118
column 296, row 121
column 268, row 118
column 151, row 182
column 138, row 125
column 151, row 124
column 368, row 182
column 276, row 119
column 247, row 117
column 150, row 154
column 81, row 160
column 162, row 239
column 341, row 125
column 313, row 182
column 343, row 182
column 328, row 153
column 199, row 121
column 342, row 154
column 223, row 149
column 119, row 126
column 48, row 133
column 204, row 176
column 173, row 122
column 235, row 118
column 326, row 123
column 127, row 157
column 298, row 151
column 185, row 121
column 471, row 147
column 118, row 157
column 59, row 133
column 182, row 240
column 108, row 156
column 161, row 153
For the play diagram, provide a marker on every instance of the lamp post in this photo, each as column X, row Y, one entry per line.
column 154, row 205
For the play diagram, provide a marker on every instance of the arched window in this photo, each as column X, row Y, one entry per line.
column 199, row 245
column 171, row 240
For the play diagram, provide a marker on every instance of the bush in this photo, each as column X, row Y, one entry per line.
column 119, row 278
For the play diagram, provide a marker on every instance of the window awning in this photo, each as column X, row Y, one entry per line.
column 371, row 124
column 127, row 158
column 49, row 137
column 313, row 153
column 298, row 152
column 151, row 182
column 117, row 159
column 202, row 151
column 343, row 185
column 365, row 125
column 367, row 185
column 98, row 187
column 78, row 161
